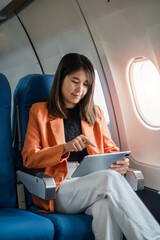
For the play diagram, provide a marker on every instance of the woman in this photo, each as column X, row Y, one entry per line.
column 60, row 133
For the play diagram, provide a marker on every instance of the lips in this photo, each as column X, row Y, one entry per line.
column 76, row 95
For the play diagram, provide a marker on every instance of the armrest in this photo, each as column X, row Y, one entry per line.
column 40, row 184
column 135, row 179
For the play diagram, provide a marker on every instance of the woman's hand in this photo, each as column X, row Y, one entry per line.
column 77, row 144
column 121, row 166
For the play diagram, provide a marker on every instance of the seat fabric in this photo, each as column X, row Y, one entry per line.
column 6, row 170
column 35, row 88
column 14, row 223
column 30, row 89
column 70, row 226
column 17, row 224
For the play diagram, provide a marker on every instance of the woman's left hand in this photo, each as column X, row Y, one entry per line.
column 121, row 166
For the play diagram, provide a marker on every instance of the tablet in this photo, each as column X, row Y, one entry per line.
column 93, row 163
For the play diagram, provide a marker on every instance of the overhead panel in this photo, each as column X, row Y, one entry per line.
column 8, row 7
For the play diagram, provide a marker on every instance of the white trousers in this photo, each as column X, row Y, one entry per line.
column 115, row 207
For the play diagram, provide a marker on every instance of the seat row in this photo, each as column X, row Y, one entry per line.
column 28, row 224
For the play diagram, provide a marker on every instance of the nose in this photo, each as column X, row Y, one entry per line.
column 79, row 88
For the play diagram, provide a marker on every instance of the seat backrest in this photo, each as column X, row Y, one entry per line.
column 7, row 173
column 30, row 89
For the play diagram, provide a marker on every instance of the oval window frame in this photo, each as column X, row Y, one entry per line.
column 131, row 68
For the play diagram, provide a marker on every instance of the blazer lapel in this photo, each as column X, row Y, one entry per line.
column 57, row 128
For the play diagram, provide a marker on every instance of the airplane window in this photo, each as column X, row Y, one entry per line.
column 99, row 97
column 145, row 85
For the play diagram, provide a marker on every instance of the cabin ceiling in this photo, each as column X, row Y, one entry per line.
column 7, row 7
column 4, row 3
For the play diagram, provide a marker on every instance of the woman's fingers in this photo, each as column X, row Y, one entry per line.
column 121, row 163
column 121, row 166
column 81, row 141
column 78, row 144
column 124, row 161
column 87, row 141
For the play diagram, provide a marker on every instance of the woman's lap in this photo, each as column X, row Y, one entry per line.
column 76, row 194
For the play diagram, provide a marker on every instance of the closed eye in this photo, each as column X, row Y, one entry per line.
column 74, row 81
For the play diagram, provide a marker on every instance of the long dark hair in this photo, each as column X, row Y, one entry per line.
column 70, row 63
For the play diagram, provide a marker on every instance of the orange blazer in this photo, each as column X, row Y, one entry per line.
column 45, row 139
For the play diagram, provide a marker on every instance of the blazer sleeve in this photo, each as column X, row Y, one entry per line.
column 108, row 143
column 33, row 154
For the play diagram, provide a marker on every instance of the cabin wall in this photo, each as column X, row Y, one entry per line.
column 17, row 57
column 123, row 30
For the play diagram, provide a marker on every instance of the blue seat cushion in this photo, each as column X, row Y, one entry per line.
column 70, row 226
column 17, row 224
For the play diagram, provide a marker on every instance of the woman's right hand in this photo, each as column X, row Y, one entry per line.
column 77, row 144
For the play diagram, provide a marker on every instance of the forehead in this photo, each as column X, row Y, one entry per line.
column 80, row 74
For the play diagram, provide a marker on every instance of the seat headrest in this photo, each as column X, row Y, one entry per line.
column 33, row 88
column 30, row 89
column 5, row 91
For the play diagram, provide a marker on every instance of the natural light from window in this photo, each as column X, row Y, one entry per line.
column 99, row 97
column 145, row 84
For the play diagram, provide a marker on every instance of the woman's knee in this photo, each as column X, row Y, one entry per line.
column 111, row 174
column 110, row 178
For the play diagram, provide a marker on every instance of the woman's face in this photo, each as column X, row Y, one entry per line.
column 74, row 88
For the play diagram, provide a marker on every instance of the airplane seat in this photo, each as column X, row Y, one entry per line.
column 14, row 223
column 30, row 89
